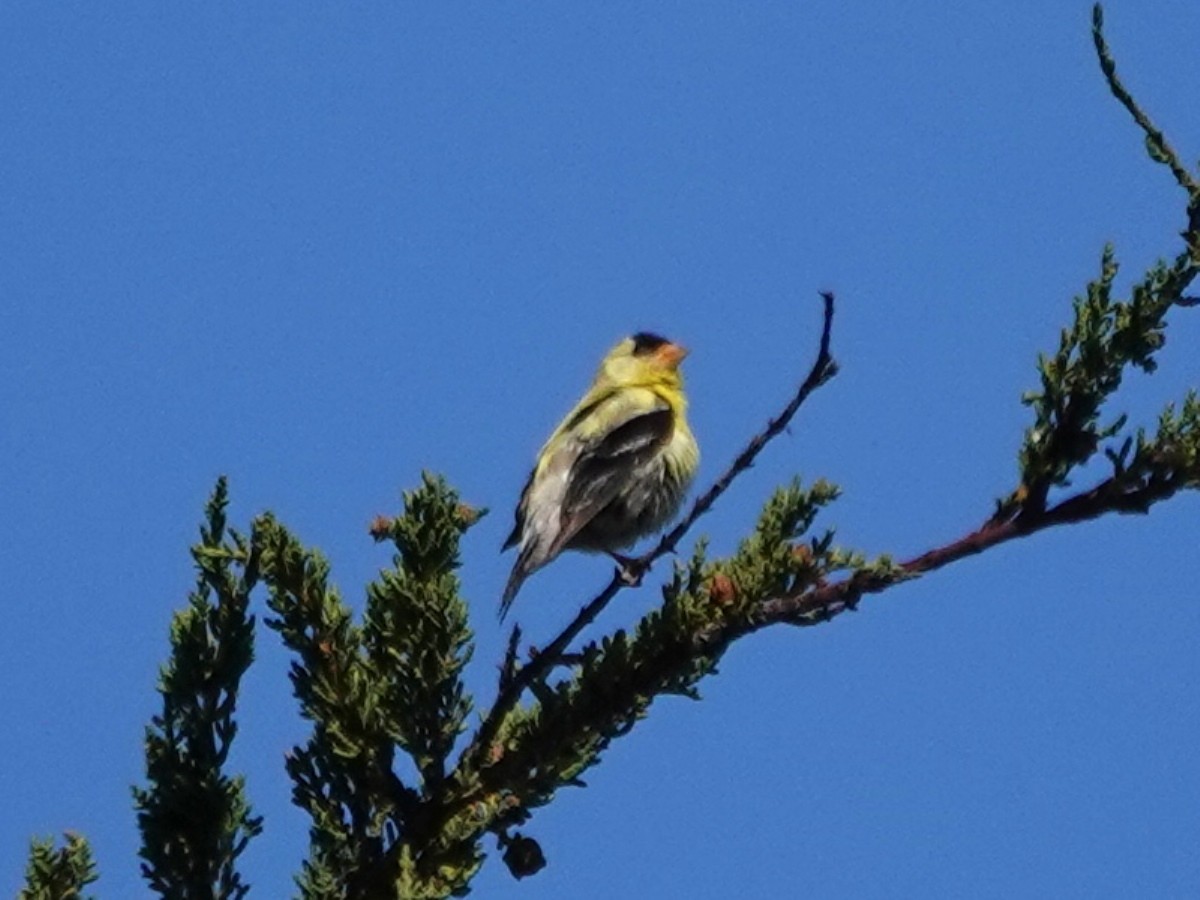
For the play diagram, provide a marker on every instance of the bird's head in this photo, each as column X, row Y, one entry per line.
column 643, row 360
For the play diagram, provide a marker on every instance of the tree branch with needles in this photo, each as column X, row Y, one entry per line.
column 781, row 575
column 785, row 574
column 389, row 684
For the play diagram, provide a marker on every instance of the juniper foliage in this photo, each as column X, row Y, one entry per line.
column 386, row 695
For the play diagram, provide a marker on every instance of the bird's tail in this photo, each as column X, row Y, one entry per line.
column 515, row 580
column 529, row 560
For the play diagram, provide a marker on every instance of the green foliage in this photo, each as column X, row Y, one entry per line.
column 769, row 562
column 1107, row 337
column 195, row 820
column 58, row 874
column 341, row 777
column 416, row 628
column 705, row 607
column 395, row 683
column 1175, row 451
column 1147, row 469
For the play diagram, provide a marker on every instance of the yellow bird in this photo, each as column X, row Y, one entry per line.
column 615, row 469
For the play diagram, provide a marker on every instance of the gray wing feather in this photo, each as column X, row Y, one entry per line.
column 602, row 469
column 599, row 469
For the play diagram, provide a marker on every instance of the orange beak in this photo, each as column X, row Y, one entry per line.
column 670, row 355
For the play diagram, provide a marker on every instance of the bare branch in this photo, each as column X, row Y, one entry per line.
column 1156, row 143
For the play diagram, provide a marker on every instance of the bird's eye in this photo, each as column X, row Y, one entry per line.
column 645, row 342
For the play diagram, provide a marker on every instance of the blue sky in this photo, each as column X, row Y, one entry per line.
column 322, row 247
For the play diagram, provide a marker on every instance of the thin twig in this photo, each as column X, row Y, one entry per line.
column 1160, row 150
column 822, row 370
column 508, row 669
column 513, row 687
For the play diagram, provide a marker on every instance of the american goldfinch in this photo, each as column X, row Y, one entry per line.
column 615, row 469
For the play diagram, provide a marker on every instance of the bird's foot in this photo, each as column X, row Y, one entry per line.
column 630, row 568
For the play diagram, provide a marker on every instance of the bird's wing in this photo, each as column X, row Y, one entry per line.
column 514, row 536
column 586, row 463
column 583, row 427
column 636, row 425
